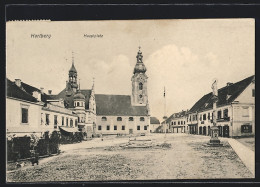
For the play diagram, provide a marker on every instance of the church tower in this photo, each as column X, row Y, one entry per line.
column 139, row 82
column 72, row 85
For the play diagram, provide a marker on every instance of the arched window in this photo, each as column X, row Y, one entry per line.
column 131, row 119
column 172, row 122
column 119, row 119
column 103, row 119
column 141, row 118
column 77, row 103
column 140, row 86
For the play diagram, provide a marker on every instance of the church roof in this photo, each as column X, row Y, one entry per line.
column 233, row 90
column 14, row 91
column 139, row 67
column 118, row 105
column 79, row 95
column 73, row 69
column 154, row 120
column 69, row 100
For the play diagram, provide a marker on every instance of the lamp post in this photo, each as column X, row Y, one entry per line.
column 214, row 141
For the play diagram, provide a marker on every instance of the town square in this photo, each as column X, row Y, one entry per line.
column 162, row 106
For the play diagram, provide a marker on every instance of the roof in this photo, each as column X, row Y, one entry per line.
column 154, row 120
column 234, row 90
column 118, row 105
column 176, row 115
column 14, row 91
column 73, row 69
column 30, row 89
column 69, row 100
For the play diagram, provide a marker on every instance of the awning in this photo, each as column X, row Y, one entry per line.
column 69, row 129
column 193, row 124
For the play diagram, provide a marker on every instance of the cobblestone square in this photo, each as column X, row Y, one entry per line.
column 188, row 158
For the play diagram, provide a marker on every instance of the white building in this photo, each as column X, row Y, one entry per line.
column 235, row 111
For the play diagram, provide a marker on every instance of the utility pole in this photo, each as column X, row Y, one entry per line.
column 164, row 117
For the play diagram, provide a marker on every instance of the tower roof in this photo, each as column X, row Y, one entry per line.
column 79, row 95
column 139, row 67
column 73, row 69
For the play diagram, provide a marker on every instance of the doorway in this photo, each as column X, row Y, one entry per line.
column 226, row 131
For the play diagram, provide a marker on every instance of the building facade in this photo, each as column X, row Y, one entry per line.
column 235, row 111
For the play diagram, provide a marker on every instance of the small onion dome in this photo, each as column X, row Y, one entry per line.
column 79, row 95
column 73, row 69
column 139, row 67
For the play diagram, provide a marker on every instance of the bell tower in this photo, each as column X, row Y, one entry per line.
column 72, row 82
column 139, row 82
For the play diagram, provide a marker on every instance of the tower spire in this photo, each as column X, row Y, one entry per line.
column 93, row 83
column 72, row 58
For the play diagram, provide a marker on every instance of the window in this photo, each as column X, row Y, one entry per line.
column 208, row 116
column 138, row 127
column 141, row 118
column 131, row 119
column 225, row 112
column 253, row 92
column 119, row 119
column 67, row 122
column 77, row 103
column 145, row 127
column 178, row 122
column 47, row 119
column 99, row 127
column 41, row 118
column 103, row 119
column 123, row 127
column 181, row 122
column 245, row 112
column 76, row 123
column 115, row 127
column 172, row 122
column 24, row 115
column 108, row 127
column 200, row 117
column 55, row 121
column 184, row 122
column 62, row 123
column 246, row 128
column 140, row 86
column 175, row 123
column 219, row 114
column 204, row 116
column 71, row 123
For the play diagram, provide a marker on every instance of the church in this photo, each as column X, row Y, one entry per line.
column 109, row 114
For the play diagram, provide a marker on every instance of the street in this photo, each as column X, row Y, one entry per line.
column 189, row 157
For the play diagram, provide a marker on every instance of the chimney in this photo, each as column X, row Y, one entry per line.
column 49, row 92
column 42, row 90
column 18, row 82
column 229, row 83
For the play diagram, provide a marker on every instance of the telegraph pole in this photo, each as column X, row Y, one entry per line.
column 164, row 117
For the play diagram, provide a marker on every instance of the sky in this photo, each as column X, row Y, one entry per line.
column 184, row 56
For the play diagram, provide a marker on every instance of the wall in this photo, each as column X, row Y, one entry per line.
column 112, row 120
column 59, row 112
column 14, row 116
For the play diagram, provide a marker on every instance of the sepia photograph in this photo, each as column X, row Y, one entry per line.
column 124, row 100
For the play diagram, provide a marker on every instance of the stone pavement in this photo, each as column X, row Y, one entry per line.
column 245, row 154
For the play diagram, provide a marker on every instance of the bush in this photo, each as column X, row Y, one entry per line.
column 54, row 142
